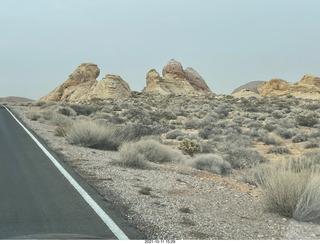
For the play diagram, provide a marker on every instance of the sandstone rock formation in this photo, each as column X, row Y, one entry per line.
column 250, row 86
column 175, row 80
column 82, row 85
column 111, row 86
column 307, row 87
column 309, row 80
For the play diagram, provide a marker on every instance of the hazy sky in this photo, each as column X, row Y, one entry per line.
column 229, row 42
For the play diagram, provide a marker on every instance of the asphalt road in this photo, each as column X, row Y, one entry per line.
column 36, row 199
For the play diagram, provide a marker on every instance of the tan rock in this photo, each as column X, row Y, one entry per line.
column 78, row 84
column 274, row 87
column 196, row 80
column 309, row 80
column 111, row 86
column 82, row 85
column 175, row 69
column 175, row 80
column 307, row 87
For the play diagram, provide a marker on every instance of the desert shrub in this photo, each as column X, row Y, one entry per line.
column 84, row 109
column 212, row 163
column 308, row 206
column 154, row 151
column 279, row 150
column 268, row 139
column 239, row 120
column 48, row 114
column 137, row 130
column 40, row 103
column 131, row 157
column 278, row 114
column 315, row 133
column 307, row 120
column 208, row 147
column 312, row 143
column 242, row 157
column 284, row 133
column 270, row 127
column 205, row 132
column 93, row 134
column 33, row 115
column 288, row 190
column 208, row 119
column 137, row 154
column 287, row 123
column 236, row 140
column 301, row 137
column 312, row 107
column 190, row 147
column 192, row 123
column 254, row 124
column 174, row 134
column 62, row 129
column 64, row 110
column 59, row 119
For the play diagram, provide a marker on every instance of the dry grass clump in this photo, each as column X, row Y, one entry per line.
column 138, row 154
column 291, row 187
column 212, row 163
column 33, row 115
column 94, row 134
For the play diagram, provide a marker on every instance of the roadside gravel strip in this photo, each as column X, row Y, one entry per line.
column 180, row 202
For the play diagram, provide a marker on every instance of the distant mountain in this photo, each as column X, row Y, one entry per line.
column 250, row 86
column 15, row 100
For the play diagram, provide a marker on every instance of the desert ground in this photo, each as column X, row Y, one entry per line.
column 196, row 167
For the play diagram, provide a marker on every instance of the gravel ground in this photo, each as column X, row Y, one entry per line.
column 173, row 201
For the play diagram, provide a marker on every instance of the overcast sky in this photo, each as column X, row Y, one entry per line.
column 228, row 42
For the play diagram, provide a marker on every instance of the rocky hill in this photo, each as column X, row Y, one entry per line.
column 82, row 85
column 175, row 80
column 250, row 86
column 307, row 87
column 15, row 100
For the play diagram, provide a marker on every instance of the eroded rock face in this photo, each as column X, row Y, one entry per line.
column 82, row 85
column 175, row 80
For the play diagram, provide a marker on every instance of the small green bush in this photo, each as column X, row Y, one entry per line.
column 190, row 147
column 212, row 163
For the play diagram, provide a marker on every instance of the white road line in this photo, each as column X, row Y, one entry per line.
column 105, row 218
